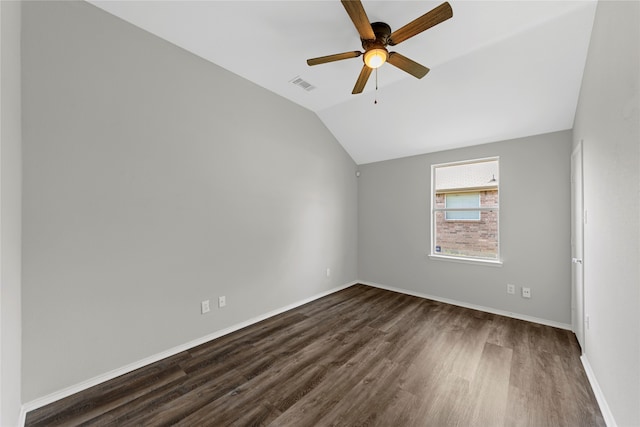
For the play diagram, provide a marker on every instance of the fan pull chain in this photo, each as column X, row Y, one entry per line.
column 375, row 101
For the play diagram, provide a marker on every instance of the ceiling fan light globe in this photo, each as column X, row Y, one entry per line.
column 374, row 58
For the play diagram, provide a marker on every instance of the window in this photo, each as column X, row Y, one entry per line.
column 465, row 210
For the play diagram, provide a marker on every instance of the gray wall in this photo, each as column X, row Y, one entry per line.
column 10, row 214
column 154, row 180
column 394, row 228
column 608, row 122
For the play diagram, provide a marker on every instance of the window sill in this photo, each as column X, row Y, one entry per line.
column 485, row 262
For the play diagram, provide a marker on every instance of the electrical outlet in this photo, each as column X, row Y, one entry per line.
column 204, row 307
column 328, row 272
column 526, row 292
column 222, row 301
column 511, row 289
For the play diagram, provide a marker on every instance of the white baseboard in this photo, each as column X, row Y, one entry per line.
column 472, row 306
column 602, row 402
column 68, row 391
column 23, row 416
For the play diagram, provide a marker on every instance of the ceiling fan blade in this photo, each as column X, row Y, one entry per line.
column 359, row 17
column 362, row 80
column 407, row 65
column 426, row 21
column 331, row 58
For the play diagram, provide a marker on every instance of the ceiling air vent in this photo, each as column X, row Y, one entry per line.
column 298, row 81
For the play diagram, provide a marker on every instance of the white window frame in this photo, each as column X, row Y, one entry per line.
column 463, row 259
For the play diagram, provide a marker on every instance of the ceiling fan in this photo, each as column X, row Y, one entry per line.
column 376, row 36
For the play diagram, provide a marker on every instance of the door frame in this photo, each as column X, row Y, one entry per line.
column 578, row 218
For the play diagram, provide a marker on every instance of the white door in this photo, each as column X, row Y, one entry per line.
column 577, row 234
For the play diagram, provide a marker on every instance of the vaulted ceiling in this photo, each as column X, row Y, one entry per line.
column 499, row 69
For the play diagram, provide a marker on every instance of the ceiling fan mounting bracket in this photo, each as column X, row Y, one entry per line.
column 383, row 34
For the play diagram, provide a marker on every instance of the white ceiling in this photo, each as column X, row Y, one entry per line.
column 499, row 69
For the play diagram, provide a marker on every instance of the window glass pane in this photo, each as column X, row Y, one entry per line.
column 462, row 200
column 462, row 215
column 476, row 239
column 458, row 229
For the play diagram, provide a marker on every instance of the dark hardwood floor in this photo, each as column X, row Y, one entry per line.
column 361, row 356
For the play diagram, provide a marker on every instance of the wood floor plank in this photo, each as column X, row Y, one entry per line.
column 306, row 371
column 401, row 411
column 490, row 386
column 118, row 392
column 580, row 391
column 368, row 399
column 442, row 396
column 519, row 413
column 467, row 350
column 321, row 400
column 166, row 404
column 360, row 356
column 445, row 402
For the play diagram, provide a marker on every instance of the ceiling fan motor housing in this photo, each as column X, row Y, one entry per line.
column 383, row 34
